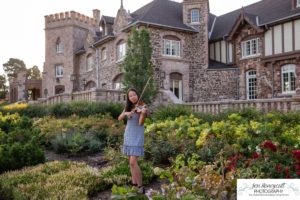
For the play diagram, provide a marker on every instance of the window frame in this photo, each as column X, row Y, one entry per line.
column 59, row 47
column 90, row 63
column 248, row 51
column 103, row 54
column 61, row 74
column 121, row 51
column 288, row 69
column 173, row 44
column 194, row 17
column 251, row 77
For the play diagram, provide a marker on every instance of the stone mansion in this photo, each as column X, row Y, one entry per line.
column 249, row 53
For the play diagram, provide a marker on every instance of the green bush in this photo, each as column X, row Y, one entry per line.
column 55, row 180
column 19, row 143
column 19, row 148
column 80, row 134
column 85, row 109
column 76, row 142
column 170, row 112
column 61, row 110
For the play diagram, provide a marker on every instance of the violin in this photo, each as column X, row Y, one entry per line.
column 139, row 106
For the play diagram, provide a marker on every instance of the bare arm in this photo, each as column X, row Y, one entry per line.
column 143, row 115
column 124, row 114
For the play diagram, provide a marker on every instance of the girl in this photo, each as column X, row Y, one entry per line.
column 133, row 145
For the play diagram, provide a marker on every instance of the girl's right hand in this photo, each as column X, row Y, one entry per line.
column 128, row 114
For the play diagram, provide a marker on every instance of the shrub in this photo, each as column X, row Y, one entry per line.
column 164, row 139
column 19, row 148
column 170, row 112
column 19, row 144
column 55, row 180
column 80, row 134
column 76, row 142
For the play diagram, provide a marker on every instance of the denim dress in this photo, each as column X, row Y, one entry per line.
column 134, row 137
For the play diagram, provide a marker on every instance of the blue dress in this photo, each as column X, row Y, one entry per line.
column 134, row 137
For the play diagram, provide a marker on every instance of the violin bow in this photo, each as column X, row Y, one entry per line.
column 143, row 90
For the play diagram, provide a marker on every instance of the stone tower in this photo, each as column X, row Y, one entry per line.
column 195, row 14
column 65, row 33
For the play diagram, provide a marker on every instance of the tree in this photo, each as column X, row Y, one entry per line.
column 13, row 67
column 2, row 86
column 34, row 73
column 137, row 66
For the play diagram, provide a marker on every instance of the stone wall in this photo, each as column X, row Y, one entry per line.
column 245, row 64
column 72, row 28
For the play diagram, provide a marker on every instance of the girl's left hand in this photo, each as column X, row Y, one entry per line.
column 144, row 110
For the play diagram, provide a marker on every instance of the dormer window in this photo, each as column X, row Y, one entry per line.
column 195, row 16
column 59, row 47
column 250, row 48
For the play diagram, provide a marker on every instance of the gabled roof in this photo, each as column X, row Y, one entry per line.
column 267, row 11
column 245, row 17
column 108, row 19
column 163, row 13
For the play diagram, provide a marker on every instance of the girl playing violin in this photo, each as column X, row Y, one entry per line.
column 133, row 145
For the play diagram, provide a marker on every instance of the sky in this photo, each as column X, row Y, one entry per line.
column 22, row 33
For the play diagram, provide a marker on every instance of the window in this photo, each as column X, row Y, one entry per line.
column 59, row 47
column 121, row 51
column 250, row 48
column 251, row 85
column 103, row 54
column 298, row 3
column 288, row 77
column 171, row 47
column 195, row 16
column 59, row 71
column 89, row 63
column 117, row 82
column 176, row 85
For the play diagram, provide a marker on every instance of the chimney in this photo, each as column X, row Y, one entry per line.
column 96, row 15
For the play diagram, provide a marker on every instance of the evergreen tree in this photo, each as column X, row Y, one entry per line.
column 34, row 73
column 3, row 86
column 137, row 66
column 13, row 67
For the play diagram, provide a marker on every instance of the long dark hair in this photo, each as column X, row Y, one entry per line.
column 129, row 105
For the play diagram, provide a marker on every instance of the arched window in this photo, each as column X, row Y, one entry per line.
column 171, row 46
column 89, row 63
column 59, row 71
column 117, row 82
column 59, row 46
column 288, row 77
column 251, row 84
column 176, row 84
column 121, row 50
column 195, row 16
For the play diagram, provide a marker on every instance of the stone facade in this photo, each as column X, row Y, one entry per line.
column 191, row 70
column 23, row 89
column 72, row 29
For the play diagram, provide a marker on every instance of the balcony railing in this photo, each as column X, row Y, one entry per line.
column 265, row 105
column 214, row 107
